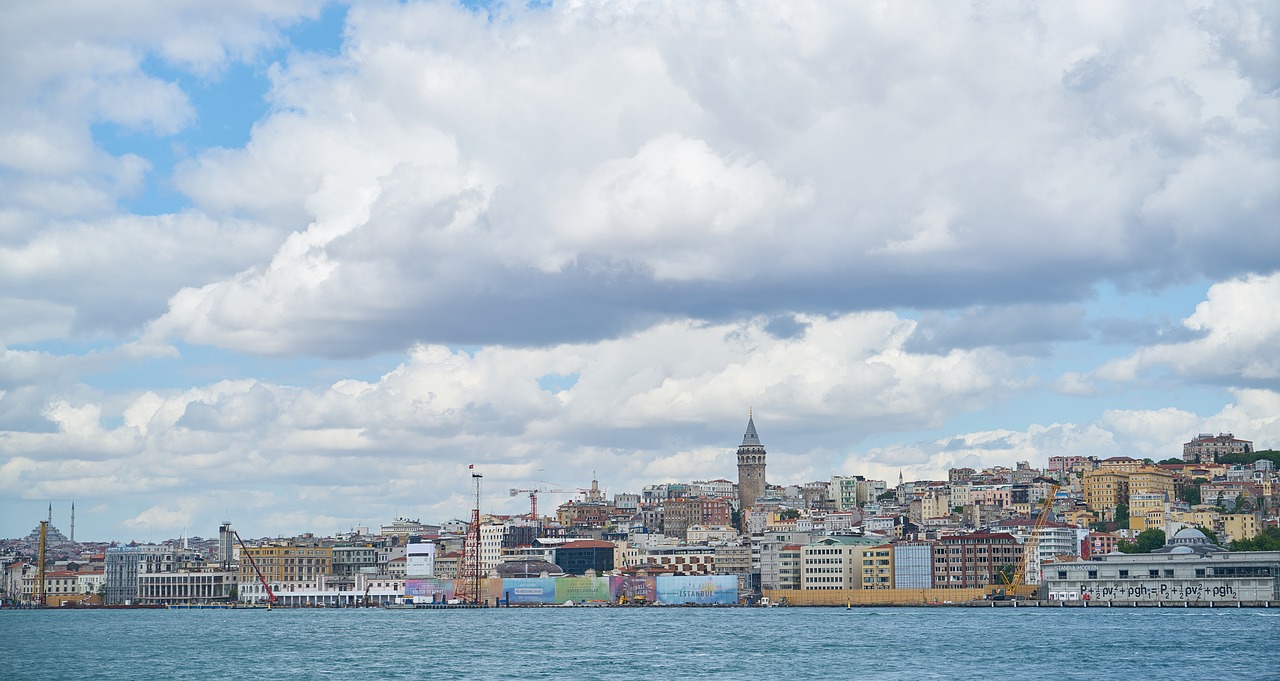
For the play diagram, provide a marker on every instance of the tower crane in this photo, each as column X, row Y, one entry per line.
column 533, row 499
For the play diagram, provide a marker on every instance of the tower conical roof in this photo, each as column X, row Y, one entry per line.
column 750, row 438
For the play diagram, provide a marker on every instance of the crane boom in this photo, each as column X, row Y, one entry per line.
column 271, row 595
column 1029, row 547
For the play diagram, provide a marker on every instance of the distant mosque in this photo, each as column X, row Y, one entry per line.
column 750, row 467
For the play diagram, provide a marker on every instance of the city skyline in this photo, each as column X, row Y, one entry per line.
column 305, row 262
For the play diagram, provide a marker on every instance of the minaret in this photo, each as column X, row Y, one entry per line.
column 73, row 522
column 750, row 467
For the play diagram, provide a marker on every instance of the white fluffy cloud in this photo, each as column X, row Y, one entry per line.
column 1239, row 341
column 661, row 404
column 639, row 162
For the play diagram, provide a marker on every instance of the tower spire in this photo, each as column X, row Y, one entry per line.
column 751, row 463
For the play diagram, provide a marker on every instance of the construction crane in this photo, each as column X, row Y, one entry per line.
column 271, row 595
column 533, row 500
column 1029, row 546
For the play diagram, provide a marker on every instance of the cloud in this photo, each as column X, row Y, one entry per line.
column 1141, row 433
column 438, row 195
column 1235, row 344
column 647, row 406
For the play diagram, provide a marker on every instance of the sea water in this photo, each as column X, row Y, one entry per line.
column 643, row 643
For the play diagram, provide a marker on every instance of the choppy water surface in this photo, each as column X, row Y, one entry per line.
column 648, row 643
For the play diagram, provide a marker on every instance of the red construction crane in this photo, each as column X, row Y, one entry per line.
column 271, row 595
column 533, row 499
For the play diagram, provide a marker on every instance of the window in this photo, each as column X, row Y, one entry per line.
column 1124, row 574
column 1153, row 573
column 1168, row 573
column 1093, row 574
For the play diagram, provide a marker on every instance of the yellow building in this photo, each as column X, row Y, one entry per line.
column 1103, row 489
column 1236, row 526
column 1120, row 464
column 877, row 567
column 1146, row 511
column 1152, row 480
column 285, row 563
column 1079, row 518
column 1196, row 518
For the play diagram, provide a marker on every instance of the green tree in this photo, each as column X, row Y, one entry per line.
column 1146, row 542
column 1221, row 501
column 1243, row 504
column 1191, row 494
column 887, row 496
column 1172, row 460
column 1122, row 514
column 1004, row 573
column 1268, row 540
column 789, row 514
column 1250, row 457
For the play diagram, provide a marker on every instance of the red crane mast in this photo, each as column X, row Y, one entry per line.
column 271, row 595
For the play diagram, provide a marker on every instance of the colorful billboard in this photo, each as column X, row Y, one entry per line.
column 582, row 589
column 642, row 589
column 707, row 590
column 436, row 590
column 529, row 590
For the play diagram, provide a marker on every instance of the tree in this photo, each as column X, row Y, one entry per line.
column 789, row 514
column 1004, row 574
column 887, row 496
column 1122, row 514
column 1221, row 501
column 1146, row 542
column 1191, row 494
column 1269, row 540
column 1173, row 460
column 1243, row 504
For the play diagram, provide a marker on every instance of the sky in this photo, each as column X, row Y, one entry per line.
column 298, row 264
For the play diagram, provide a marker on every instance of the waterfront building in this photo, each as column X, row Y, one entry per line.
column 834, row 562
column 972, row 560
column 287, row 566
column 912, row 565
column 190, row 584
column 751, row 468
column 124, row 563
column 877, row 567
column 789, row 567
column 1206, row 448
column 1189, row 570
column 766, row 559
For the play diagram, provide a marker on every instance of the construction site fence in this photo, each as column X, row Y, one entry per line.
column 848, row 597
